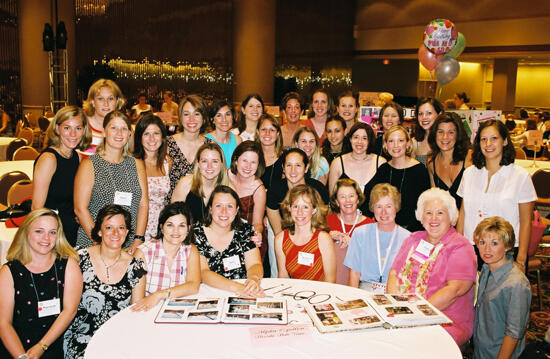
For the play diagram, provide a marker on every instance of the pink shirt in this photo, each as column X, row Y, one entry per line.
column 456, row 261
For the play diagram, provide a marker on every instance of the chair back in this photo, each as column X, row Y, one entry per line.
column 520, row 153
column 13, row 146
column 27, row 134
column 537, row 230
column 19, row 191
column 43, row 123
column 25, row 153
column 541, row 181
column 6, row 181
column 31, row 119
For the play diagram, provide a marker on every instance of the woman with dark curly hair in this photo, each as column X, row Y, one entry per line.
column 450, row 153
column 337, row 142
column 495, row 186
column 427, row 110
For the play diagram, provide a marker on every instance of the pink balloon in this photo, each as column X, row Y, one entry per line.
column 427, row 58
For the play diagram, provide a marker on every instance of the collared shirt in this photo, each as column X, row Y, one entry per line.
column 159, row 275
column 509, row 186
column 503, row 302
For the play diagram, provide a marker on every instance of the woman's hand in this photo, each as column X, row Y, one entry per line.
column 252, row 288
column 35, row 352
column 257, row 239
column 340, row 238
column 148, row 302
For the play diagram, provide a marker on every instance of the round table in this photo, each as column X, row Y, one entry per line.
column 135, row 335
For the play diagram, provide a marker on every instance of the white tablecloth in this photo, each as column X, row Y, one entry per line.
column 528, row 165
column 23, row 166
column 135, row 335
column 6, row 237
column 4, row 142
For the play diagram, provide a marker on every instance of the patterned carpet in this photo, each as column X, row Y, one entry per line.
column 540, row 320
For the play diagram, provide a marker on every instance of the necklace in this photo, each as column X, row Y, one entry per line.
column 360, row 159
column 110, row 265
column 402, row 178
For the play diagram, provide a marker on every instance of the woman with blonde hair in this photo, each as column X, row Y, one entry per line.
column 55, row 168
column 104, row 96
column 409, row 176
column 195, row 189
column 306, row 139
column 304, row 249
column 109, row 176
column 39, row 253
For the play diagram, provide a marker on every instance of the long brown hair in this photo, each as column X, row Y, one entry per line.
column 318, row 220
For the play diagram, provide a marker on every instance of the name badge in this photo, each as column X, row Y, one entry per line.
column 378, row 288
column 123, row 198
column 306, row 259
column 422, row 251
column 171, row 128
column 49, row 307
column 231, row 263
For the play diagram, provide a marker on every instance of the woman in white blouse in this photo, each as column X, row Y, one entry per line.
column 495, row 186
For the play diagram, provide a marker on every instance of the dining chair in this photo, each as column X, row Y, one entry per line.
column 27, row 134
column 6, row 181
column 25, row 153
column 535, row 263
column 19, row 191
column 541, row 181
column 13, row 146
column 520, row 153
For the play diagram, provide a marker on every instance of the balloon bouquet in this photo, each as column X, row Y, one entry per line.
column 442, row 45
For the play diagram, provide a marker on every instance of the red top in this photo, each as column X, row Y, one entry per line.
column 301, row 271
column 309, row 123
column 342, row 272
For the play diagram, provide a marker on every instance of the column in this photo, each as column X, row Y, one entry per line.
column 504, row 84
column 254, row 48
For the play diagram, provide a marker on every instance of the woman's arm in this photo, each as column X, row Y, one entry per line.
column 259, row 209
column 143, row 209
column 254, row 273
column 444, row 297
column 507, row 347
column 216, row 280
column 326, row 247
column 392, row 286
column 431, row 172
column 191, row 285
column 44, row 169
column 139, row 289
column 83, row 185
column 71, row 298
column 460, row 222
column 138, row 292
column 334, row 174
column 8, row 334
column 5, row 121
column 354, row 278
column 275, row 220
column 525, row 218
column 182, row 189
column 280, row 255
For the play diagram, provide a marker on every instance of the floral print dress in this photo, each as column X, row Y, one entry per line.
column 99, row 303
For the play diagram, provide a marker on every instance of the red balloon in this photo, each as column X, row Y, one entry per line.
column 427, row 58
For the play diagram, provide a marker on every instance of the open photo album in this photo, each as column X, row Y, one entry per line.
column 236, row 310
column 375, row 310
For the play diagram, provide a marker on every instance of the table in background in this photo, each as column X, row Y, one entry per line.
column 135, row 335
column 26, row 166
column 4, row 142
column 6, row 237
column 528, row 163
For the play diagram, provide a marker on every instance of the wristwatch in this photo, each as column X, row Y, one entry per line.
column 22, row 356
column 43, row 346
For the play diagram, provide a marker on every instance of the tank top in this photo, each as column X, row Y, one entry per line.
column 301, row 271
column 227, row 148
column 345, row 176
column 454, row 186
column 247, row 212
column 196, row 206
column 60, row 191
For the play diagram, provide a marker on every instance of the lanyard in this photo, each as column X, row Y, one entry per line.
column 56, row 282
column 354, row 224
column 381, row 268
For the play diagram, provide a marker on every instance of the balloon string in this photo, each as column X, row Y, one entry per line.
column 439, row 92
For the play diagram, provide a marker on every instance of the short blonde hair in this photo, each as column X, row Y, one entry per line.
column 345, row 182
column 437, row 194
column 407, row 136
column 94, row 90
column 65, row 114
column 318, row 220
column 108, row 118
column 385, row 190
column 20, row 249
column 498, row 226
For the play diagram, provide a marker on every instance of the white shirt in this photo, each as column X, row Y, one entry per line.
column 509, row 186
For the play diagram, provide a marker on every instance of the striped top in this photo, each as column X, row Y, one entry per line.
column 159, row 276
column 302, row 271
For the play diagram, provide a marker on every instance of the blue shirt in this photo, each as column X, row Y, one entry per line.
column 227, row 148
column 362, row 255
column 503, row 303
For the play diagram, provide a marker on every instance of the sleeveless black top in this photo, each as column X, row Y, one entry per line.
column 345, row 176
column 454, row 186
column 196, row 206
column 60, row 192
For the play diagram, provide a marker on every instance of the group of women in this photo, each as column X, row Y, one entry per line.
column 239, row 197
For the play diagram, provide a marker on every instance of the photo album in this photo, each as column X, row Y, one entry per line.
column 376, row 310
column 235, row 310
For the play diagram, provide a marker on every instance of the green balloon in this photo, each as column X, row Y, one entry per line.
column 458, row 48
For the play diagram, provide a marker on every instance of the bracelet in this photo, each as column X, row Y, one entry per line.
column 22, row 356
column 167, row 294
column 522, row 263
column 139, row 237
column 43, row 346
